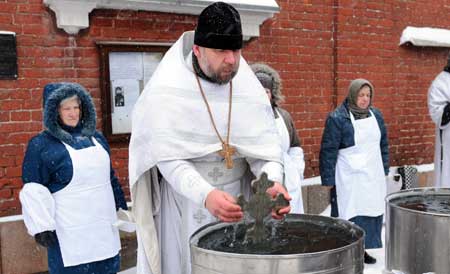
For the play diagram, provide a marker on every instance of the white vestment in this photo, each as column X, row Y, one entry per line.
column 171, row 129
column 438, row 98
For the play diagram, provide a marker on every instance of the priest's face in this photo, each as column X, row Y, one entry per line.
column 220, row 65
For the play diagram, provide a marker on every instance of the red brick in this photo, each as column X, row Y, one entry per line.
column 4, row 116
column 39, row 30
column 20, row 116
column 30, row 8
column 9, row 205
column 6, row 161
column 11, row 104
column 27, row 19
column 12, row 172
column 5, row 194
column 9, row 8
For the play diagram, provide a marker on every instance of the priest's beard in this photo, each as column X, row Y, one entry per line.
column 211, row 75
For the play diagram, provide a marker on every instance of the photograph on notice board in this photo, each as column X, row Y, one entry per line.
column 119, row 97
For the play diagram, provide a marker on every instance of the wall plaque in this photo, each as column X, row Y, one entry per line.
column 8, row 56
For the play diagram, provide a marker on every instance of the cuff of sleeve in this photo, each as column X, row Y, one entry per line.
column 196, row 188
column 274, row 171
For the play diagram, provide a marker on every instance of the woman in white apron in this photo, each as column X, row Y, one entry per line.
column 354, row 160
column 70, row 194
column 293, row 158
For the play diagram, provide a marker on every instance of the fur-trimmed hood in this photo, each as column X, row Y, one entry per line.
column 269, row 79
column 54, row 93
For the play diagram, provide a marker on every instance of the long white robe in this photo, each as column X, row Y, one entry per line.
column 171, row 127
column 438, row 98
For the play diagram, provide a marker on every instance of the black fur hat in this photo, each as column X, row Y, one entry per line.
column 219, row 27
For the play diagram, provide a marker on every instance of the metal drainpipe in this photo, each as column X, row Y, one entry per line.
column 335, row 54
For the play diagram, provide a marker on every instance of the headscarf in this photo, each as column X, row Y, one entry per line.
column 352, row 97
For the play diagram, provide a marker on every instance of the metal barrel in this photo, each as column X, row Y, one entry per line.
column 417, row 242
column 343, row 260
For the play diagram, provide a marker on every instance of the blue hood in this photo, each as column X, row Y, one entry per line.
column 54, row 93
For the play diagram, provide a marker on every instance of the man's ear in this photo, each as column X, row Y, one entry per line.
column 196, row 50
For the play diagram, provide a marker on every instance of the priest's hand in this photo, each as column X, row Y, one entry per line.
column 273, row 191
column 223, row 206
column 46, row 238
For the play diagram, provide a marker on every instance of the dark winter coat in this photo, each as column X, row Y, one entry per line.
column 339, row 134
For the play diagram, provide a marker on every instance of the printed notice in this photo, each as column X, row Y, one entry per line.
column 124, row 94
column 125, row 65
column 151, row 61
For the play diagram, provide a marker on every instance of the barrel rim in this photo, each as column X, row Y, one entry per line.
column 193, row 242
column 414, row 192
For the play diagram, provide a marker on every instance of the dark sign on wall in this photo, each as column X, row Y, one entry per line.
column 8, row 56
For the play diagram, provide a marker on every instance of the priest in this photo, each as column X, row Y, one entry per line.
column 201, row 130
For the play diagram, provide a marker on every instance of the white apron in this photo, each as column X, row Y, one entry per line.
column 85, row 209
column 292, row 176
column 360, row 182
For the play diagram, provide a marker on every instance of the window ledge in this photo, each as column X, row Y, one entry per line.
column 426, row 37
column 73, row 15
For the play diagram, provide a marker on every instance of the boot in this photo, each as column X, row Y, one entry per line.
column 369, row 259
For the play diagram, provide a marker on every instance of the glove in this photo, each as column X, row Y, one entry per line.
column 446, row 115
column 46, row 238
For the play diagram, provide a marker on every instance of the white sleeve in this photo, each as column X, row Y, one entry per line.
column 38, row 208
column 438, row 98
column 297, row 156
column 274, row 170
column 184, row 178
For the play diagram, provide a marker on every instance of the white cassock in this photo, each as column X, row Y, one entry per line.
column 171, row 129
column 438, row 98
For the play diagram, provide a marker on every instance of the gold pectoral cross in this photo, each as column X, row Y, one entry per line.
column 226, row 152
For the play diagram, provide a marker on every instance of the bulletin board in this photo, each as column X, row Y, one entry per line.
column 125, row 69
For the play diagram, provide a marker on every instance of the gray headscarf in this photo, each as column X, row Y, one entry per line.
column 270, row 79
column 352, row 97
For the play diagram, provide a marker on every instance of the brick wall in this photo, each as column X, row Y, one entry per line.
column 317, row 46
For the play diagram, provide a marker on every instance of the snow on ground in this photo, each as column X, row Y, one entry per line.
column 379, row 255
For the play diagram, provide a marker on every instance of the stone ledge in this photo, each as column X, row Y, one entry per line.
column 21, row 255
column 19, row 251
